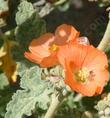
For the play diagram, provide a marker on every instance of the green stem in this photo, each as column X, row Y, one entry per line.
column 106, row 38
column 78, row 97
column 54, row 105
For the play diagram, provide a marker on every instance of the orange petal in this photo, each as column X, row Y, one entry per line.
column 40, row 46
column 73, row 57
column 101, row 77
column 95, row 59
column 95, row 85
column 65, row 33
column 79, row 87
column 49, row 61
column 98, row 90
column 75, row 53
column 32, row 57
column 44, row 62
column 83, row 55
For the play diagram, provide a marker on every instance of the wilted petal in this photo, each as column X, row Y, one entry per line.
column 65, row 33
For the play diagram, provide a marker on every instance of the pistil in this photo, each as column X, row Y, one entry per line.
column 82, row 75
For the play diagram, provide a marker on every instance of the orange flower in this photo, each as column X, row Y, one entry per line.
column 85, row 68
column 43, row 50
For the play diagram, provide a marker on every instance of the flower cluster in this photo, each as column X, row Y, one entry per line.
column 85, row 66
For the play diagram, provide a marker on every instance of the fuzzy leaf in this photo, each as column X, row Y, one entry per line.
column 35, row 93
column 103, row 107
column 3, row 81
column 4, row 11
column 5, row 96
column 3, row 6
column 29, row 24
column 45, row 10
column 25, row 10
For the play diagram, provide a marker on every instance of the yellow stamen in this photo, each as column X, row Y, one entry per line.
column 53, row 47
column 82, row 75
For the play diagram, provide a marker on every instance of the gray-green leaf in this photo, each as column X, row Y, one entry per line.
column 36, row 92
column 29, row 24
column 25, row 10
column 3, row 5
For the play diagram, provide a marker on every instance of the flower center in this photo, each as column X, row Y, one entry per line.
column 82, row 75
column 53, row 47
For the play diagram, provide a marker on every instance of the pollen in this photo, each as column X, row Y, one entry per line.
column 53, row 47
column 82, row 75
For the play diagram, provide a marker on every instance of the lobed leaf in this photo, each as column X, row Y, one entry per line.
column 25, row 10
column 35, row 92
column 29, row 24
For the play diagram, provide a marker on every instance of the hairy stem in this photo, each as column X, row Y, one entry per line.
column 54, row 106
column 78, row 97
column 106, row 38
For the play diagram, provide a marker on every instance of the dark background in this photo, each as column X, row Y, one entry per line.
column 90, row 20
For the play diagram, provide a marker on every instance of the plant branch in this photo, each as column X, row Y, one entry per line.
column 106, row 38
column 78, row 97
column 54, row 105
